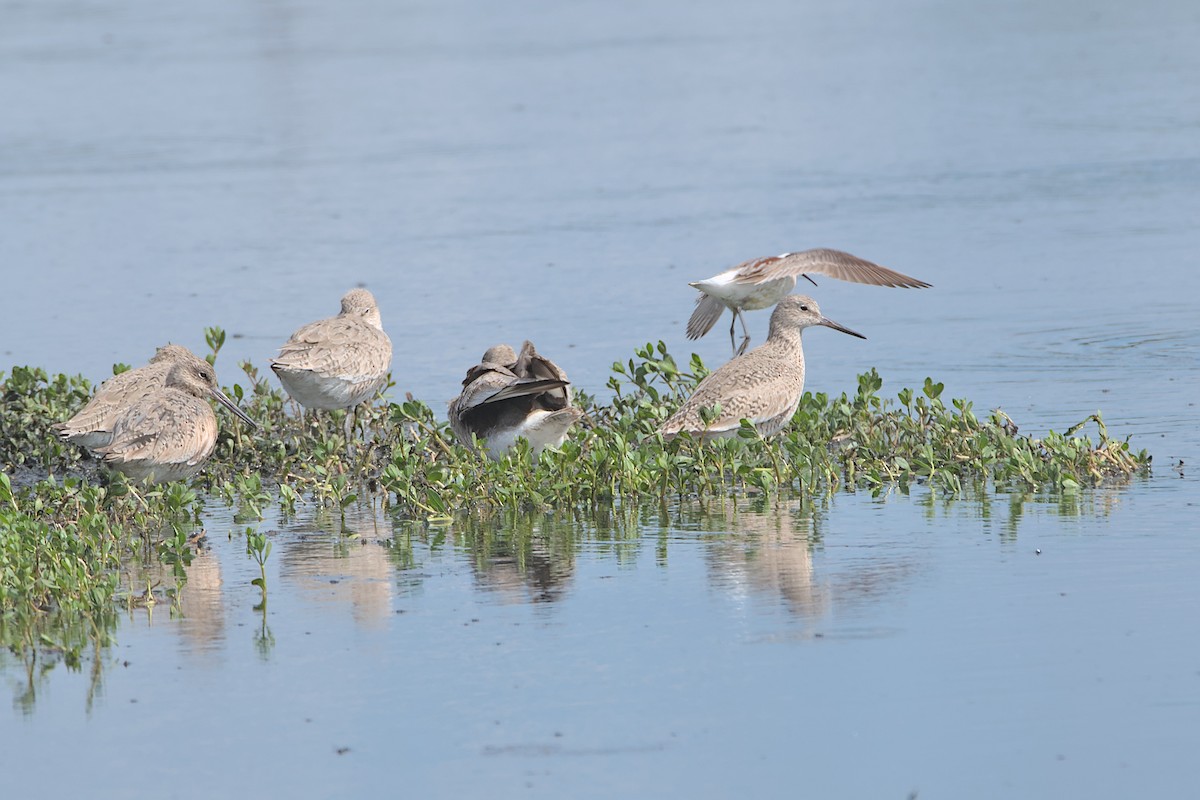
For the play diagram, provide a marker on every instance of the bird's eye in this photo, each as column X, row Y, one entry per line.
column 804, row 308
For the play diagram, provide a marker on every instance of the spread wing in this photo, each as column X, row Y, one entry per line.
column 708, row 311
column 822, row 261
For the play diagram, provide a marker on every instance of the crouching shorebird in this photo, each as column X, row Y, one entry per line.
column 764, row 386
column 92, row 425
column 763, row 282
column 168, row 434
column 337, row 362
column 509, row 396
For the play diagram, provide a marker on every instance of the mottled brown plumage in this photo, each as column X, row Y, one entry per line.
column 92, row 425
column 340, row 361
column 763, row 386
column 169, row 434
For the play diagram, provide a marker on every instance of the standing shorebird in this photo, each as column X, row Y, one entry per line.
column 763, row 282
column 509, row 396
column 169, row 434
column 337, row 362
column 92, row 425
column 763, row 386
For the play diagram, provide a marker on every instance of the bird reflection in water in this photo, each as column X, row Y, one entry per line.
column 202, row 617
column 352, row 569
column 522, row 558
column 768, row 555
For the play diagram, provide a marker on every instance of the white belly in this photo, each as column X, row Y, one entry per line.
column 320, row 391
column 748, row 296
column 541, row 429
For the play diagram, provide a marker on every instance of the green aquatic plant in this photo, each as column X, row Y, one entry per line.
column 258, row 547
column 64, row 547
column 864, row 441
column 858, row 441
column 64, row 540
column 214, row 337
column 59, row 562
column 30, row 402
column 247, row 492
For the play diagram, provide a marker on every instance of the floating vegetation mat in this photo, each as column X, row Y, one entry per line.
column 68, row 529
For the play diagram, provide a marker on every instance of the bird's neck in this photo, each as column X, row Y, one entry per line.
column 784, row 334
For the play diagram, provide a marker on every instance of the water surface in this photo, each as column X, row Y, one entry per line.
column 558, row 172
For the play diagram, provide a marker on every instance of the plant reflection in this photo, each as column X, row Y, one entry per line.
column 264, row 640
column 762, row 554
column 37, row 664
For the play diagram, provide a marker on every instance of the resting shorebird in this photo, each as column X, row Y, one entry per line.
column 763, row 282
column 509, row 396
column 337, row 362
column 169, row 434
column 763, row 386
column 92, row 425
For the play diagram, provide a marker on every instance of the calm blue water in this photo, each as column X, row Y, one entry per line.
column 872, row 648
column 559, row 172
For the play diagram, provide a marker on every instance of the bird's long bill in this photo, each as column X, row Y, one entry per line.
column 828, row 323
column 237, row 412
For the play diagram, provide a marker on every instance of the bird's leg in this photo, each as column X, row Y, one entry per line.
column 732, row 324
column 350, row 426
column 745, row 332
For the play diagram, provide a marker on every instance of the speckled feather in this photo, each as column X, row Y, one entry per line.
column 92, row 425
column 766, row 391
column 340, row 361
column 164, row 437
column 170, row 433
column 763, row 386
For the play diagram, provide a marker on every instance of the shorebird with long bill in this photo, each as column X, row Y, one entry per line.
column 169, row 434
column 763, row 386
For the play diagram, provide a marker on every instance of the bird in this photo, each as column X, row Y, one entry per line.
column 763, row 386
column 509, row 396
column 92, row 426
column 340, row 361
column 763, row 282
column 170, row 433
